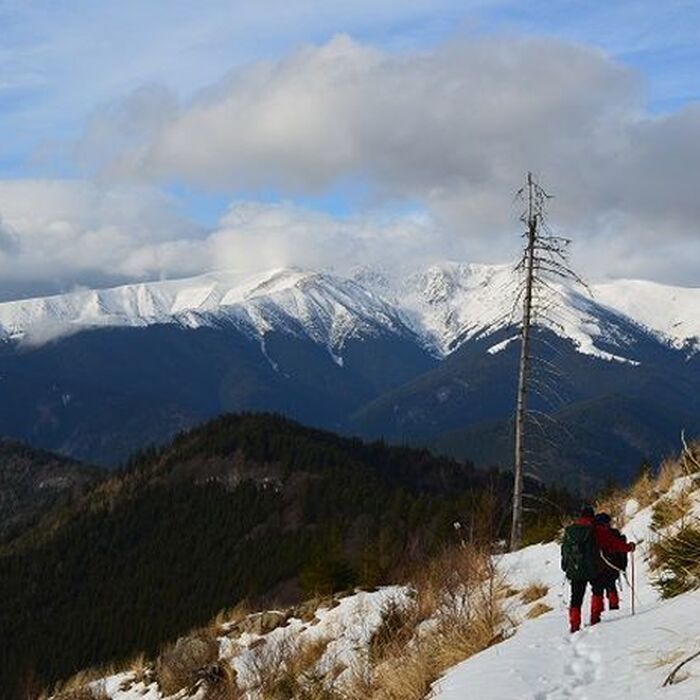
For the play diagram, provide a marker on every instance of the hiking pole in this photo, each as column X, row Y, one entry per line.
column 632, row 573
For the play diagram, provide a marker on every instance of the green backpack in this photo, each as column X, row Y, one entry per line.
column 579, row 553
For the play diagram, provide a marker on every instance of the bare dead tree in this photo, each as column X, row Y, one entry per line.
column 543, row 265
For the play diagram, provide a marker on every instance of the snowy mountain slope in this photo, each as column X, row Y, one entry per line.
column 444, row 305
column 329, row 310
column 672, row 312
column 624, row 656
column 450, row 303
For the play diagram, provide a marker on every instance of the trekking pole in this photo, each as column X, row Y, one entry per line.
column 632, row 572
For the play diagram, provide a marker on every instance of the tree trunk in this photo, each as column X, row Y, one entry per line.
column 521, row 403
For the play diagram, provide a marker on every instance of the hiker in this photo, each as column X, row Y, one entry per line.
column 614, row 563
column 581, row 561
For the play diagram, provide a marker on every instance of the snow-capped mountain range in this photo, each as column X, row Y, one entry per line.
column 442, row 305
column 426, row 357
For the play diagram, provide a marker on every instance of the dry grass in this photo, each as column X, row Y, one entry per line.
column 534, row 592
column 395, row 631
column 229, row 616
column 647, row 488
column 670, row 509
column 218, row 682
column 179, row 665
column 676, row 558
column 644, row 490
column 85, row 692
column 459, row 594
column 538, row 609
column 665, row 659
column 690, row 459
column 288, row 670
column 669, row 471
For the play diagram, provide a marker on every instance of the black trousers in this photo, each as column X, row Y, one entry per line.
column 578, row 590
column 609, row 581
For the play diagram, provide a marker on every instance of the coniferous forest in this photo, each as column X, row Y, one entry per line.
column 252, row 507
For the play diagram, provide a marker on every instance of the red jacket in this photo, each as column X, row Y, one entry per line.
column 605, row 539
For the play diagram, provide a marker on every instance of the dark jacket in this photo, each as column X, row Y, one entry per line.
column 606, row 540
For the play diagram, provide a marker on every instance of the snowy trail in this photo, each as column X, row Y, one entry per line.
column 624, row 656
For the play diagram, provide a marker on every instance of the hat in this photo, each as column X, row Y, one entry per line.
column 603, row 518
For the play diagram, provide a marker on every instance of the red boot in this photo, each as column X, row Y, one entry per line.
column 574, row 619
column 613, row 600
column 597, row 607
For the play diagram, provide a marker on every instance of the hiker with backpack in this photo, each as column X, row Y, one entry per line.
column 582, row 563
column 614, row 563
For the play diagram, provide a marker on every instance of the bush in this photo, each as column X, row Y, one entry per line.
column 396, row 629
column 457, row 612
column 180, row 664
column 669, row 509
column 677, row 557
column 288, row 671
column 87, row 692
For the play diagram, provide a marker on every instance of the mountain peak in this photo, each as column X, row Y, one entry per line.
column 444, row 303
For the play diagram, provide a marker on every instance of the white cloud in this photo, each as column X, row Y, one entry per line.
column 450, row 131
column 55, row 235
column 60, row 233
column 454, row 128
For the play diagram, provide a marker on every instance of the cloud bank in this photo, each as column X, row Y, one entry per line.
column 447, row 134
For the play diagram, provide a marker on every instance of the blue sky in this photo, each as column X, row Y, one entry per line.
column 66, row 69
column 61, row 61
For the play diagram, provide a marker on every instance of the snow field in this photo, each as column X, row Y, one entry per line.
column 443, row 306
column 624, row 656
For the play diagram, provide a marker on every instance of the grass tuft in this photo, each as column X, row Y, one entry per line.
column 179, row 665
column 676, row 557
column 670, row 509
column 538, row 609
column 534, row 592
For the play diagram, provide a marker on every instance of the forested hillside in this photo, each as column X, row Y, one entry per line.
column 247, row 506
column 34, row 481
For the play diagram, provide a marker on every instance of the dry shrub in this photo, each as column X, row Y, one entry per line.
column 669, row 471
column 179, row 664
column 406, row 677
column 398, row 623
column 534, row 592
column 84, row 685
column 140, row 667
column 218, row 682
column 229, row 616
column 690, row 459
column 86, row 692
column 460, row 593
column 669, row 509
column 538, row 609
column 644, row 490
column 508, row 591
column 287, row 670
column 676, row 557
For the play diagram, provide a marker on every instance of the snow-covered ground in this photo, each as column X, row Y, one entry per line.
column 442, row 305
column 625, row 656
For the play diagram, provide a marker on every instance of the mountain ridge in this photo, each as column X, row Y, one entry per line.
column 420, row 358
column 443, row 304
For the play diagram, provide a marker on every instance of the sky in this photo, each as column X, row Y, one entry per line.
column 145, row 140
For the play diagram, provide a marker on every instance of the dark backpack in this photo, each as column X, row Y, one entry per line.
column 579, row 553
